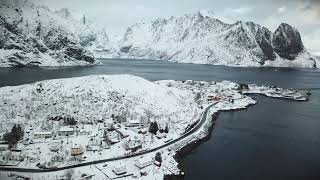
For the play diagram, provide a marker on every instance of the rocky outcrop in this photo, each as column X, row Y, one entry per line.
column 287, row 42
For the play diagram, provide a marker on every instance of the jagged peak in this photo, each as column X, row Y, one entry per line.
column 286, row 27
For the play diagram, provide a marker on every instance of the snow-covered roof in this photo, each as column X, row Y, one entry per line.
column 42, row 133
column 66, row 129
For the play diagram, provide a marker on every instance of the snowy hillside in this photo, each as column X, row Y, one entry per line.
column 91, row 36
column 97, row 97
column 32, row 35
column 200, row 38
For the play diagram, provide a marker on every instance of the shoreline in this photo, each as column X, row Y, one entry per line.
column 188, row 148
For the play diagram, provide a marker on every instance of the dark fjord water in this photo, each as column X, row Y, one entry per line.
column 275, row 139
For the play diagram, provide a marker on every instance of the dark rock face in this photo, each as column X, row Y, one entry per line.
column 287, row 42
column 79, row 53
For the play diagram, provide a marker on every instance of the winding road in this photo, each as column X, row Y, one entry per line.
column 184, row 136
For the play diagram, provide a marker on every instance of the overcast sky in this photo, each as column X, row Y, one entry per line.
column 117, row 15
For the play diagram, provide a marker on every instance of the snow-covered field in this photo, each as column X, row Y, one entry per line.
column 113, row 115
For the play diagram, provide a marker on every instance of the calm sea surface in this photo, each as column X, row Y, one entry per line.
column 275, row 139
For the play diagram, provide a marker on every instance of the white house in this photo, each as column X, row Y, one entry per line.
column 42, row 134
column 65, row 131
column 133, row 123
column 123, row 133
column 120, row 170
column 143, row 162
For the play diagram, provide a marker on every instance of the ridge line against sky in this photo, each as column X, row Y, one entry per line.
column 117, row 15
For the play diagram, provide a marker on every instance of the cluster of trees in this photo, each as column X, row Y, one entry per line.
column 158, row 157
column 14, row 135
column 69, row 121
column 153, row 127
column 243, row 86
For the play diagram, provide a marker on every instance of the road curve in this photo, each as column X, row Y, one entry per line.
column 185, row 135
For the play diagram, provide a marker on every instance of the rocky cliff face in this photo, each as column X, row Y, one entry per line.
column 287, row 42
column 32, row 35
column 200, row 38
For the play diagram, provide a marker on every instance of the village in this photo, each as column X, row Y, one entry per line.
column 63, row 141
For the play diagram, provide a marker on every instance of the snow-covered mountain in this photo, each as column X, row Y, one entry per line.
column 31, row 35
column 201, row 38
column 91, row 36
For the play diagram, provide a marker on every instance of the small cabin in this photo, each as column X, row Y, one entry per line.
column 120, row 170
column 76, row 150
column 132, row 145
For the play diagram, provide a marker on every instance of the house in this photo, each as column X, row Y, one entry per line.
column 132, row 145
column 66, row 131
column 4, row 147
column 133, row 123
column 92, row 148
column 161, row 135
column 123, row 133
column 143, row 162
column 42, row 134
column 58, row 158
column 143, row 131
column 213, row 98
column 76, row 150
column 54, row 147
column 11, row 156
column 1, row 136
column 157, row 163
column 108, row 126
column 95, row 142
column 113, row 137
column 119, row 170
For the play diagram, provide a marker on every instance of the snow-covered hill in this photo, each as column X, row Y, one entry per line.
column 201, row 38
column 97, row 97
column 31, row 35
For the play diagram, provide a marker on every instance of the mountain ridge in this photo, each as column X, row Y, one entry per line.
column 195, row 38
